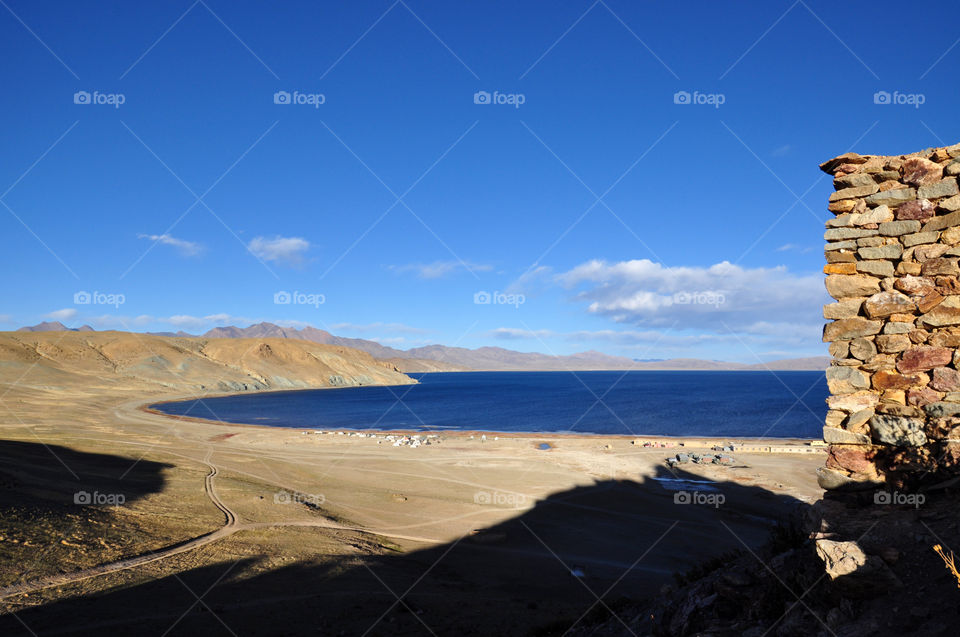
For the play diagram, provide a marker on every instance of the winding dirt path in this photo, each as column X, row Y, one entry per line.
column 231, row 526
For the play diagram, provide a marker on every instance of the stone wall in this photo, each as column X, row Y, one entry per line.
column 892, row 256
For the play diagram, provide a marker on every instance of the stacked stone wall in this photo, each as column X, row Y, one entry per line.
column 893, row 268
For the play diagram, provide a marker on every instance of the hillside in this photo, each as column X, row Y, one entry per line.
column 120, row 359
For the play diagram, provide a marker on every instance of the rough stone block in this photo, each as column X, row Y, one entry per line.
column 884, row 304
column 919, row 210
column 848, row 329
column 892, row 228
column 892, row 198
column 920, row 172
column 841, row 286
column 920, row 238
column 923, row 358
column 947, row 312
column 843, row 309
column 943, row 188
column 899, row 431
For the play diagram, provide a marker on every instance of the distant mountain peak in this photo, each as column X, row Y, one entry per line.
column 55, row 326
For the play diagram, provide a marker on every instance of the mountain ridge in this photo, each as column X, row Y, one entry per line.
column 436, row 357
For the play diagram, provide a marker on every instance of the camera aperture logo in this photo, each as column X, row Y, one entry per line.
column 916, row 500
column 699, row 297
column 96, row 498
column 499, row 498
column 285, row 98
column 98, row 298
column 697, row 98
column 99, row 99
column 498, row 298
column 510, row 99
column 298, row 298
column 295, row 497
column 699, row 497
column 899, row 99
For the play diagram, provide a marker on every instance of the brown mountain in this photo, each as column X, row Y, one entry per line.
column 186, row 365
column 312, row 334
column 54, row 326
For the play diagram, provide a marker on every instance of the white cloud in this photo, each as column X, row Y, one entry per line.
column 62, row 315
column 618, row 337
column 187, row 248
column 289, row 250
column 792, row 247
column 183, row 320
column 6, row 318
column 531, row 282
column 113, row 321
column 439, row 269
column 719, row 298
column 513, row 333
column 751, row 344
column 401, row 341
column 782, row 150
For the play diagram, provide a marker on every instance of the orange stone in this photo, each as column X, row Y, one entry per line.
column 886, row 379
column 840, row 268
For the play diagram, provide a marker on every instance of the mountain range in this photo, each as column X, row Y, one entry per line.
column 436, row 358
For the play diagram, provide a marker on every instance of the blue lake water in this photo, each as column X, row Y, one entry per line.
column 726, row 404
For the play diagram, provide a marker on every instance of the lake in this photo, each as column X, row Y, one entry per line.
column 675, row 403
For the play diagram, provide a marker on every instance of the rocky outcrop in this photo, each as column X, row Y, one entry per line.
column 893, row 266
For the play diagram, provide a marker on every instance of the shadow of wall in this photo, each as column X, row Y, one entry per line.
column 539, row 571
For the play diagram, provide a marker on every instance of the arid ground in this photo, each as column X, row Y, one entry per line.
column 246, row 530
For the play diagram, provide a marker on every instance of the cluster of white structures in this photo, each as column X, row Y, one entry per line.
column 397, row 440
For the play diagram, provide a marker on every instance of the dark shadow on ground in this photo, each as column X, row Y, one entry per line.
column 58, row 507
column 536, row 573
column 51, row 475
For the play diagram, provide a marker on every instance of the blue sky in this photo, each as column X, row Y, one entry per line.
column 578, row 197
